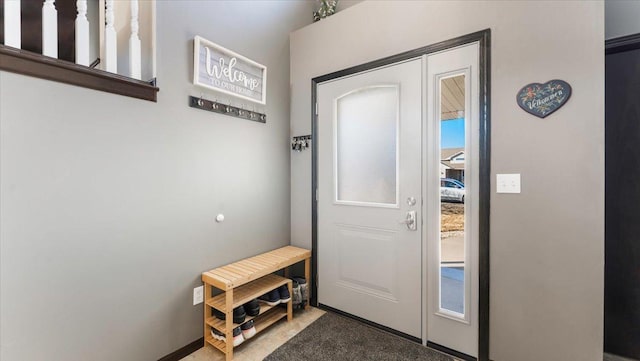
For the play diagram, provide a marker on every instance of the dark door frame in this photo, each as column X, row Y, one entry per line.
column 483, row 38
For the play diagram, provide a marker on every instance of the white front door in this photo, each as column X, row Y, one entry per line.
column 390, row 248
column 369, row 195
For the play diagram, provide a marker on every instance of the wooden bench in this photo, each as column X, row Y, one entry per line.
column 243, row 281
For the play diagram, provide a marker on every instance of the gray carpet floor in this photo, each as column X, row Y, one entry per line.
column 337, row 338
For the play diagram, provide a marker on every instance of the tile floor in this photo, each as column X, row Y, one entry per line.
column 263, row 343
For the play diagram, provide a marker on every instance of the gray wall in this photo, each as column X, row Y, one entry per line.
column 547, row 242
column 621, row 18
column 343, row 4
column 108, row 203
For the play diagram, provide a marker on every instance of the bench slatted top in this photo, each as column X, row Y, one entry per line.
column 247, row 270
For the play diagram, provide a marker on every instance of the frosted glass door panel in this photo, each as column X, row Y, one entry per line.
column 366, row 143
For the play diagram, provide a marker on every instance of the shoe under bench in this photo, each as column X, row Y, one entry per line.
column 242, row 281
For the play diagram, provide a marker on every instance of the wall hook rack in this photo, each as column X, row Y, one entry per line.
column 300, row 142
column 226, row 109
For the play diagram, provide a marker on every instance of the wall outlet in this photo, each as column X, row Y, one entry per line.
column 198, row 295
column 508, row 183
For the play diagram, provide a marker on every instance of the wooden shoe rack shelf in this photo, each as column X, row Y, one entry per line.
column 242, row 281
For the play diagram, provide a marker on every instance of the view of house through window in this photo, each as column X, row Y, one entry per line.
column 452, row 194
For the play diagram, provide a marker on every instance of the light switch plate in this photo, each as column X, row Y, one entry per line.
column 508, row 183
column 198, row 295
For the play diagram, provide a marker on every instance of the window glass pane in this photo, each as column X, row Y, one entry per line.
column 452, row 194
column 366, row 137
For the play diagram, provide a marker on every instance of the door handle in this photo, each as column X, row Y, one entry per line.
column 410, row 221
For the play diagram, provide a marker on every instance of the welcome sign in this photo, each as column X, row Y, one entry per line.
column 544, row 99
column 220, row 69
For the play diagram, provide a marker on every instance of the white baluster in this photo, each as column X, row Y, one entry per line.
column 153, row 39
column 110, row 40
column 135, row 57
column 82, row 34
column 12, row 34
column 49, row 29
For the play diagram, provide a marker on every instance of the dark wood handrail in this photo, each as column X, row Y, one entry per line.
column 40, row 66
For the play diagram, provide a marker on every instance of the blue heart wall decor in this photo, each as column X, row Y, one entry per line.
column 544, row 99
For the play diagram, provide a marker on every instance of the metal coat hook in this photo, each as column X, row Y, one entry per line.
column 226, row 109
column 300, row 142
